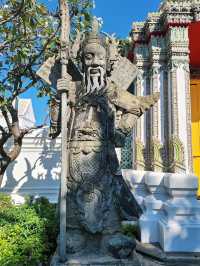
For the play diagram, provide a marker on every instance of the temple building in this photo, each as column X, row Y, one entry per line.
column 166, row 51
column 164, row 149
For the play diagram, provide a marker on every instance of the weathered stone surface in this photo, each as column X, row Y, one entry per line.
column 96, row 260
column 124, row 73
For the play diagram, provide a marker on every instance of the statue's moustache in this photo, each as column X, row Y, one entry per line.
column 95, row 71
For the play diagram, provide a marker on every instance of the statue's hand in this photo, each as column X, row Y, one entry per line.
column 66, row 85
column 63, row 85
column 127, row 122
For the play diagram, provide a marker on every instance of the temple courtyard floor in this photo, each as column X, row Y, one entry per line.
column 145, row 255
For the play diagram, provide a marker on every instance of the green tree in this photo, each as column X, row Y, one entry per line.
column 29, row 34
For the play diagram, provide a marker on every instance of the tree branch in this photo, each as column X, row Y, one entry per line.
column 6, row 117
column 26, row 131
column 29, row 67
column 14, row 15
column 43, row 49
column 22, row 90
column 15, row 130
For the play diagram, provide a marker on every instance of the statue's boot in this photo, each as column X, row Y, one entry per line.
column 118, row 245
column 75, row 241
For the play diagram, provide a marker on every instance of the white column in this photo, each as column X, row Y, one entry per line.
column 182, row 110
column 140, row 132
column 157, row 120
column 179, row 100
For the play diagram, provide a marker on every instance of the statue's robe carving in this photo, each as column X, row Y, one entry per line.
column 98, row 198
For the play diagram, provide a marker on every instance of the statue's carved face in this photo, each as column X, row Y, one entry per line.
column 94, row 59
column 94, row 56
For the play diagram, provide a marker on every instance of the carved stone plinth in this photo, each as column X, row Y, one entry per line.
column 95, row 260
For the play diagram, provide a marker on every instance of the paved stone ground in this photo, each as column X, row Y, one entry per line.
column 152, row 255
column 139, row 260
column 147, row 261
column 146, row 255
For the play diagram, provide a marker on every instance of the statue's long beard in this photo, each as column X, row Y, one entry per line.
column 95, row 83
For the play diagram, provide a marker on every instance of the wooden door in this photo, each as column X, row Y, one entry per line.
column 195, row 100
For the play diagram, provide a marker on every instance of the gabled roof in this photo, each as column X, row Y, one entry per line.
column 25, row 113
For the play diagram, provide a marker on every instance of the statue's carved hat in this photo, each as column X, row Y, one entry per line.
column 93, row 36
column 109, row 43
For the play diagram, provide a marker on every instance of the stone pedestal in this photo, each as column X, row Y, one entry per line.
column 95, row 260
column 180, row 226
column 152, row 205
column 148, row 189
column 149, row 220
column 136, row 182
column 171, row 213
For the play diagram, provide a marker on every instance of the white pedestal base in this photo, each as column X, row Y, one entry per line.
column 180, row 228
column 171, row 213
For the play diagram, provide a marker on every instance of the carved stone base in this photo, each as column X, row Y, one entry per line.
column 95, row 260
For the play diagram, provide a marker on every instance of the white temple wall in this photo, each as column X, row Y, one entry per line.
column 37, row 169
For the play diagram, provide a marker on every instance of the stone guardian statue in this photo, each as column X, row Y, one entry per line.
column 102, row 115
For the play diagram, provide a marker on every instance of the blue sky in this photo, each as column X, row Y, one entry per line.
column 118, row 16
